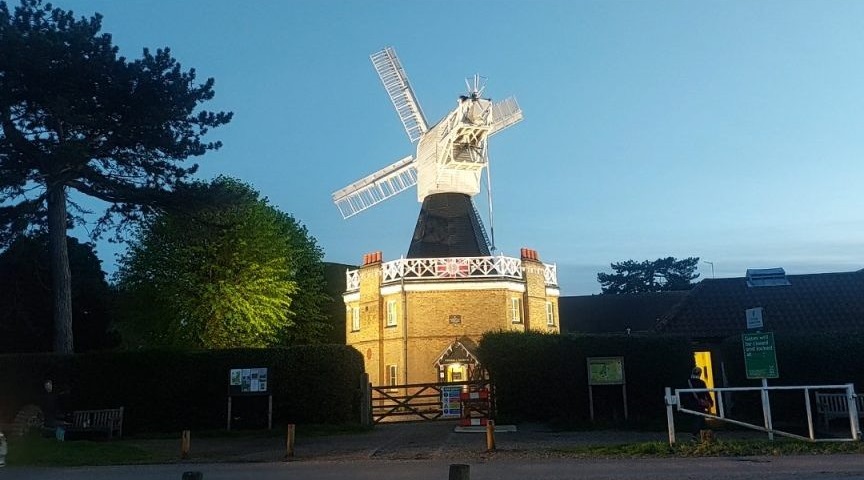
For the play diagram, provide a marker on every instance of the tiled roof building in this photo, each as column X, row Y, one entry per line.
column 824, row 302
column 621, row 313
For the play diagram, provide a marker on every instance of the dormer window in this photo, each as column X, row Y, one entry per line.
column 766, row 277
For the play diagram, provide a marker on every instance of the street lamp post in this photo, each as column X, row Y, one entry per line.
column 712, row 267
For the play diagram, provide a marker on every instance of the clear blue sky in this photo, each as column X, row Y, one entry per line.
column 732, row 131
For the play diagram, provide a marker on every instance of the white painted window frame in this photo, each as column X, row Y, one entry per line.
column 355, row 319
column 516, row 314
column 391, row 313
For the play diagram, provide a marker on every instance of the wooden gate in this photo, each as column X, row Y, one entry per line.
column 426, row 401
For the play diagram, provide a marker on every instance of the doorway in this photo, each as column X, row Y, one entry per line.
column 455, row 372
column 703, row 361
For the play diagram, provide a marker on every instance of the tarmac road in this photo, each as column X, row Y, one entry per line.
column 809, row 467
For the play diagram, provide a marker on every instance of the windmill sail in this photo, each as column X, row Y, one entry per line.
column 396, row 83
column 376, row 188
column 504, row 114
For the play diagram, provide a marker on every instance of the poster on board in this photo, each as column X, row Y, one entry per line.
column 248, row 381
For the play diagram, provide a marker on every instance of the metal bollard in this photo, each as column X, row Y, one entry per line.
column 460, row 472
column 193, row 476
column 490, row 435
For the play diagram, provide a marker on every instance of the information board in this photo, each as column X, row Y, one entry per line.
column 450, row 403
column 249, row 381
column 605, row 370
column 760, row 358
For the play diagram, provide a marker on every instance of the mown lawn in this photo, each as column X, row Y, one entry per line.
column 34, row 450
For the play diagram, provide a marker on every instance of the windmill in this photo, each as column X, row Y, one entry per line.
column 447, row 168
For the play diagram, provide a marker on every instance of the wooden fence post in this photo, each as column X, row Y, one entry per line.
column 185, row 444
column 289, row 443
column 490, row 435
column 460, row 472
column 365, row 400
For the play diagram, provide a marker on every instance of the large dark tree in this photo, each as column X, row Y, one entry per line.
column 228, row 270
column 74, row 115
column 661, row 275
column 25, row 297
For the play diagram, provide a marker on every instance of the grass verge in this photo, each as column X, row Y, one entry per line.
column 34, row 450
column 719, row 448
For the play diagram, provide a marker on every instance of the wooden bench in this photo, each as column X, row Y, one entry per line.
column 109, row 420
column 835, row 405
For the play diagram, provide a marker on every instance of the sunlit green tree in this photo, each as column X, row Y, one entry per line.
column 227, row 270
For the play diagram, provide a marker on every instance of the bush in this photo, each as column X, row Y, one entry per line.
column 173, row 390
column 544, row 377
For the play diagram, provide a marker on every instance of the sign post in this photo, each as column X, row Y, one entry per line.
column 760, row 360
column 606, row 371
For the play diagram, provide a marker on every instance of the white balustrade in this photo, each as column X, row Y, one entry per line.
column 450, row 268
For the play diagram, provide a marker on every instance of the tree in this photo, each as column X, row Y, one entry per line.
column 229, row 271
column 25, row 297
column 661, row 275
column 75, row 116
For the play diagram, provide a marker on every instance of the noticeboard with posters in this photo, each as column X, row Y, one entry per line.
column 249, row 381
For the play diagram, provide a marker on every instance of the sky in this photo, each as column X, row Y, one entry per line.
column 732, row 131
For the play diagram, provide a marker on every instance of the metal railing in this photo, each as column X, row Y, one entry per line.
column 673, row 399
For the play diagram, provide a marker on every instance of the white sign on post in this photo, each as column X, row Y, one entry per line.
column 754, row 318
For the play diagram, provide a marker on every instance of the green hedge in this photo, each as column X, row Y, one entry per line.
column 813, row 359
column 172, row 390
column 544, row 377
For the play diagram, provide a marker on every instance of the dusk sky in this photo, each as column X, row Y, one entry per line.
column 728, row 130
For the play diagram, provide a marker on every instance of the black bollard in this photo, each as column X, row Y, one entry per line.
column 460, row 472
column 193, row 476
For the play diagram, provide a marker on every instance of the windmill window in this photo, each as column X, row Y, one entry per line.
column 391, row 375
column 550, row 314
column 516, row 310
column 391, row 313
column 355, row 319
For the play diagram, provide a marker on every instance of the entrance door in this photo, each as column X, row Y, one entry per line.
column 456, row 372
column 703, row 360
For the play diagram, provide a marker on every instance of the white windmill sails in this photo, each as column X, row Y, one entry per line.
column 450, row 156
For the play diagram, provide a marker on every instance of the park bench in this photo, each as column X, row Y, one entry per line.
column 835, row 405
column 108, row 420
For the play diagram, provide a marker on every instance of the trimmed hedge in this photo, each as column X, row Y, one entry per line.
column 812, row 359
column 544, row 377
column 173, row 390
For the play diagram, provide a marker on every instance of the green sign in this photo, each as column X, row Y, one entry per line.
column 605, row 370
column 760, row 359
